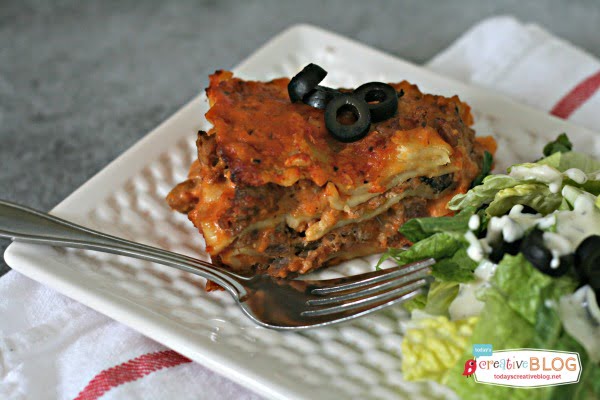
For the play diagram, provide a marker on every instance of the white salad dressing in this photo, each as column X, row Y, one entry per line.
column 494, row 230
column 572, row 226
column 558, row 246
column 466, row 304
column 547, row 222
column 558, row 243
column 511, row 227
column 526, row 220
column 580, row 223
column 576, row 175
column 540, row 173
column 580, row 316
column 512, row 230
column 474, row 222
column 475, row 251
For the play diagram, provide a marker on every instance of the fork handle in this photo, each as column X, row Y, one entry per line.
column 23, row 224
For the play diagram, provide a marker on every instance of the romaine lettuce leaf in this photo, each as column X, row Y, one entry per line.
column 438, row 246
column 484, row 193
column 588, row 164
column 416, row 303
column 547, row 325
column 458, row 268
column 421, row 228
column 449, row 251
column 535, row 195
column 494, row 189
column 436, row 301
column 572, row 159
column 591, row 185
column 449, row 271
column 439, row 297
column 523, row 285
column 431, row 346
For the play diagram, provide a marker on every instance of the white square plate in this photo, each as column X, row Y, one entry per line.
column 358, row 359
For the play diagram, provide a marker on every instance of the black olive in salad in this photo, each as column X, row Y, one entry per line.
column 501, row 248
column 536, row 252
column 587, row 263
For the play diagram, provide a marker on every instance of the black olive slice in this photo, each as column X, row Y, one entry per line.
column 536, row 252
column 320, row 96
column 501, row 248
column 381, row 97
column 358, row 123
column 305, row 81
column 587, row 261
column 566, row 263
column 528, row 210
column 497, row 253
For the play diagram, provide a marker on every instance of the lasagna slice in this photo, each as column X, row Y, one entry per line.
column 273, row 192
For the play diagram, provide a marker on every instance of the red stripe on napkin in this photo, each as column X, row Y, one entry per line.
column 130, row 371
column 577, row 96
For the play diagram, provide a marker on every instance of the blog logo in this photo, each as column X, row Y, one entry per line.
column 525, row 367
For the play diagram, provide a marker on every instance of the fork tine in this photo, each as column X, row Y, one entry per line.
column 372, row 278
column 383, row 287
column 374, row 302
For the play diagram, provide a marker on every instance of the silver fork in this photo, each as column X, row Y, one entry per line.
column 269, row 302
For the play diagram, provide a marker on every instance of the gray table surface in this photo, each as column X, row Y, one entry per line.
column 81, row 81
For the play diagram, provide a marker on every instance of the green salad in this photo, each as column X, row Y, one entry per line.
column 518, row 266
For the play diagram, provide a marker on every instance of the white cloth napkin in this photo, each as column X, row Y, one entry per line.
column 529, row 64
column 52, row 347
